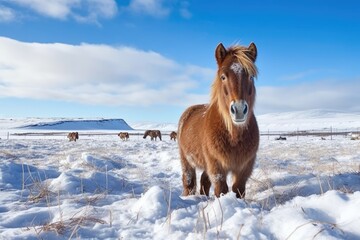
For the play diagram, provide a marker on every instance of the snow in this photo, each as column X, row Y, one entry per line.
column 316, row 119
column 103, row 188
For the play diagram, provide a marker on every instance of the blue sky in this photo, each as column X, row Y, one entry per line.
column 147, row 60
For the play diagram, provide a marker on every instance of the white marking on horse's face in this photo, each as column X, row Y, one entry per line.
column 237, row 68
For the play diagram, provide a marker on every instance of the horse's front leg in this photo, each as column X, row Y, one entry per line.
column 205, row 184
column 240, row 178
column 217, row 176
column 238, row 186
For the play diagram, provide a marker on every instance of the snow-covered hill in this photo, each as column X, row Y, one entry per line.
column 68, row 124
column 150, row 125
column 309, row 120
column 286, row 121
column 81, row 124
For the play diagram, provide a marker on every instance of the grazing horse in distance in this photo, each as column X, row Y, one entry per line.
column 73, row 136
column 173, row 135
column 222, row 136
column 153, row 134
column 124, row 136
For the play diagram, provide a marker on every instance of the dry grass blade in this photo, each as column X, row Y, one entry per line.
column 85, row 220
column 44, row 193
column 58, row 227
column 315, row 223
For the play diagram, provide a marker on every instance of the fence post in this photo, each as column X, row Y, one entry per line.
column 331, row 132
column 7, row 136
column 297, row 134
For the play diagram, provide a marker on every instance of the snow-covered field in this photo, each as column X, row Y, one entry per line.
column 103, row 188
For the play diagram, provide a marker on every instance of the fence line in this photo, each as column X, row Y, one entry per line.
column 325, row 132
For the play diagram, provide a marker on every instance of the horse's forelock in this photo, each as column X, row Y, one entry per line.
column 242, row 55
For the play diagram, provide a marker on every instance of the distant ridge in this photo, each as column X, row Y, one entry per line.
column 80, row 124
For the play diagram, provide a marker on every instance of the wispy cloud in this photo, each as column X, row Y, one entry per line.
column 311, row 73
column 80, row 10
column 322, row 94
column 97, row 74
column 155, row 8
column 159, row 8
column 7, row 14
column 92, row 11
column 184, row 10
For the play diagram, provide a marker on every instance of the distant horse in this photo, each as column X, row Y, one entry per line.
column 153, row 134
column 173, row 136
column 222, row 136
column 73, row 136
column 123, row 136
column 280, row 138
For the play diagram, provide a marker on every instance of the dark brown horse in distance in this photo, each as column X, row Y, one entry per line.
column 73, row 136
column 222, row 136
column 173, row 136
column 153, row 134
column 124, row 136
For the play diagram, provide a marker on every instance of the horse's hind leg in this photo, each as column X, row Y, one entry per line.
column 188, row 177
column 205, row 184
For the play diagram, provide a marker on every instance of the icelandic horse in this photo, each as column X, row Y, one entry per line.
column 72, row 136
column 123, row 136
column 173, row 136
column 153, row 134
column 222, row 136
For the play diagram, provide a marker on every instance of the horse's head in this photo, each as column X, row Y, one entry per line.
column 233, row 89
column 147, row 132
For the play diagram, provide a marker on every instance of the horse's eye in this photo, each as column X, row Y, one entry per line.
column 223, row 77
column 252, row 78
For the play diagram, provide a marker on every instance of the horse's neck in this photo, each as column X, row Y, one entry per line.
column 218, row 125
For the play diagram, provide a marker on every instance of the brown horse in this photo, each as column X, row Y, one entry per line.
column 173, row 136
column 153, row 134
column 72, row 136
column 123, row 136
column 222, row 136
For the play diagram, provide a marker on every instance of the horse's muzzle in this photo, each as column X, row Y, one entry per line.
column 239, row 111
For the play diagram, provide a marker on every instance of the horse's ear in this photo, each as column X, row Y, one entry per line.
column 252, row 51
column 220, row 53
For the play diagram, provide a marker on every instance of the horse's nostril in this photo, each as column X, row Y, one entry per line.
column 245, row 109
column 233, row 109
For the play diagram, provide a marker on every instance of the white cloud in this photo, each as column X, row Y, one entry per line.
column 323, row 94
column 159, row 8
column 90, row 10
column 155, row 8
column 97, row 74
column 6, row 14
column 81, row 10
